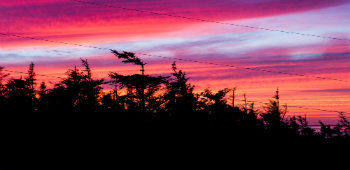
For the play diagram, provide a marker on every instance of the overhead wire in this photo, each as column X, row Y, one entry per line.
column 109, row 83
column 27, row 73
column 156, row 13
column 204, row 20
column 196, row 61
column 308, row 108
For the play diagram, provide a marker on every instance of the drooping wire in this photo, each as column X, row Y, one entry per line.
column 308, row 108
column 250, row 101
column 43, row 75
column 202, row 62
column 203, row 20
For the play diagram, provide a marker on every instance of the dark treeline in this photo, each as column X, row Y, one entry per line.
column 141, row 107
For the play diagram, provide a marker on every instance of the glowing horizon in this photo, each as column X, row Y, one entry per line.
column 124, row 30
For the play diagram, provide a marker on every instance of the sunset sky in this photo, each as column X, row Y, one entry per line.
column 129, row 30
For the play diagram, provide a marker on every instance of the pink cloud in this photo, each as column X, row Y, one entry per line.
column 74, row 20
column 87, row 24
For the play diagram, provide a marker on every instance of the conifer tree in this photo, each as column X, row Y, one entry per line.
column 79, row 91
column 31, row 80
column 2, row 86
column 180, row 97
column 272, row 115
column 137, row 81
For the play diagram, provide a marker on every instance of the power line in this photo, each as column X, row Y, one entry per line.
column 60, row 42
column 27, row 73
column 202, row 20
column 43, row 75
column 203, row 62
column 185, row 59
column 311, row 108
column 109, row 83
column 104, row 83
column 308, row 108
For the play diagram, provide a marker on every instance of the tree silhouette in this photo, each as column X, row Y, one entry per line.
column 155, row 110
column 273, row 116
column 2, row 86
column 216, row 103
column 344, row 124
column 137, row 82
column 31, row 79
column 327, row 131
column 78, row 92
column 305, row 130
column 21, row 91
column 179, row 96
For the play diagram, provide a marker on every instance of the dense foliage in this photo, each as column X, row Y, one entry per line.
column 146, row 106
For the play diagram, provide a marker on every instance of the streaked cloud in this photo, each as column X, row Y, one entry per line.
column 123, row 30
